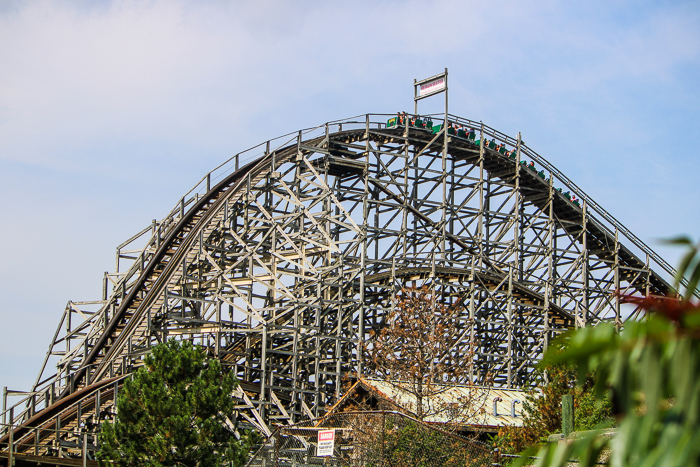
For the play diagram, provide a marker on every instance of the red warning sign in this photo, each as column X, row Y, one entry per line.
column 326, row 443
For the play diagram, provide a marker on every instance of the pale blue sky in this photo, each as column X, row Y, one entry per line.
column 111, row 110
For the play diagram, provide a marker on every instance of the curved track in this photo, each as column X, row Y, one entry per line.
column 284, row 267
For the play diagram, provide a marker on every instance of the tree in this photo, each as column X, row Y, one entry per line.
column 422, row 347
column 652, row 368
column 408, row 443
column 542, row 411
column 390, row 439
column 174, row 413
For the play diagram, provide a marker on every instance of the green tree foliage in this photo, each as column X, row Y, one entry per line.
column 174, row 413
column 410, row 443
column 542, row 411
column 653, row 368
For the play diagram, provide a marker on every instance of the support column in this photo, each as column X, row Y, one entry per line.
column 509, row 329
column 363, row 259
column 618, row 318
column 585, row 305
column 11, row 447
column 551, row 255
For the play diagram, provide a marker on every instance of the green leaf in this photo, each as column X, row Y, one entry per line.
column 683, row 268
column 693, row 282
column 681, row 240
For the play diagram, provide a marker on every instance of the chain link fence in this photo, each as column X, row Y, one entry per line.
column 371, row 439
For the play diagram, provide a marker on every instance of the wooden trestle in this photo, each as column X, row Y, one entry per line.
column 282, row 267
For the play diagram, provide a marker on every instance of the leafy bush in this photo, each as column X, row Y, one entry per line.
column 542, row 411
column 653, row 370
column 410, row 443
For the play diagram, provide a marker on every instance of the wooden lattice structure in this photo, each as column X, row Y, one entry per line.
column 283, row 260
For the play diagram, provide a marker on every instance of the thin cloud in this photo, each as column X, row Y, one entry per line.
column 110, row 110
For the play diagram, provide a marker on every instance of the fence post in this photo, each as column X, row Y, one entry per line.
column 85, row 439
column 11, row 454
column 277, row 448
column 567, row 414
column 4, row 408
column 383, row 432
column 58, row 434
column 496, row 458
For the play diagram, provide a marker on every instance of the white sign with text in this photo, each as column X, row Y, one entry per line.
column 326, row 443
column 432, row 87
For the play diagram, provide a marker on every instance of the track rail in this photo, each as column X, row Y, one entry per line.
column 570, row 185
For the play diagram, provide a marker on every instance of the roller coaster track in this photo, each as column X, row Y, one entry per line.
column 282, row 260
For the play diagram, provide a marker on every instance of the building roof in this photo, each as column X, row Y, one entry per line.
column 467, row 405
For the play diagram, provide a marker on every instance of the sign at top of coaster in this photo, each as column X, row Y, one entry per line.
column 432, row 87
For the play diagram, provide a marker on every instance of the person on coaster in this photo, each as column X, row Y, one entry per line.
column 399, row 118
column 532, row 165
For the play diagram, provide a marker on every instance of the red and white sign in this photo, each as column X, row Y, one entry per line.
column 432, row 87
column 326, row 443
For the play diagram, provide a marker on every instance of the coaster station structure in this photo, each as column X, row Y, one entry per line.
column 283, row 261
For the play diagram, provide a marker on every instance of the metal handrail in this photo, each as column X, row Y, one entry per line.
column 18, row 419
column 590, row 203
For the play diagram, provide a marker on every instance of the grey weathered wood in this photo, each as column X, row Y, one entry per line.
column 287, row 265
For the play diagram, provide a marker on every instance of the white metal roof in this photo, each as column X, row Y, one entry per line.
column 478, row 403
